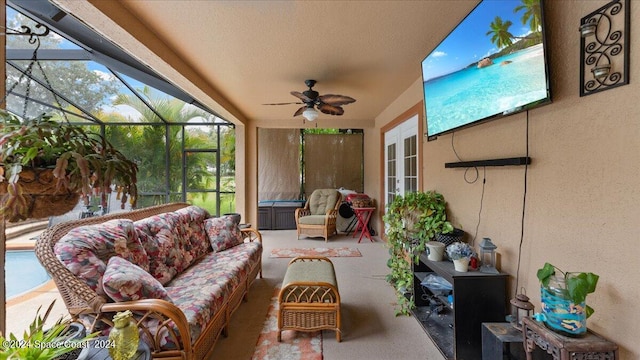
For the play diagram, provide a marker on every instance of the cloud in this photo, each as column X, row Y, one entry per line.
column 104, row 76
column 525, row 32
column 439, row 54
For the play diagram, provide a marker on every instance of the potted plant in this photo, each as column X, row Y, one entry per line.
column 563, row 299
column 38, row 343
column 42, row 161
column 460, row 253
column 410, row 222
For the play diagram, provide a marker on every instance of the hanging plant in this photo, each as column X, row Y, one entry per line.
column 42, row 160
column 410, row 222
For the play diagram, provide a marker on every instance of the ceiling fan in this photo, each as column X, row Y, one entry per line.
column 329, row 104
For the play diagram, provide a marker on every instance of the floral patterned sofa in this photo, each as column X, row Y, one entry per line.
column 182, row 273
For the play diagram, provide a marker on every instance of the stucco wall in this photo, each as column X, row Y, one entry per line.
column 582, row 202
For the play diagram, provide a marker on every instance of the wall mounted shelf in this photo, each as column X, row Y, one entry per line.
column 514, row 161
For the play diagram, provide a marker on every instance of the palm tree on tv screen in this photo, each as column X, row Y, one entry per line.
column 499, row 32
column 531, row 14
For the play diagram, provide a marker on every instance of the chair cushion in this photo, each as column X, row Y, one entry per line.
column 223, row 233
column 323, row 200
column 124, row 281
column 312, row 220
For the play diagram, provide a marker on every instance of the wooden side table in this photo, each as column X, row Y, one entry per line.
column 591, row 346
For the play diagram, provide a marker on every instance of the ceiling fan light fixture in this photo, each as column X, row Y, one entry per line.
column 310, row 114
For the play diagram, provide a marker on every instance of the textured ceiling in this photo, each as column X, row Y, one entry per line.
column 256, row 52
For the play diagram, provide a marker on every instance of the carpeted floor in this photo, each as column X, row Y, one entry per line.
column 295, row 345
column 370, row 330
column 318, row 251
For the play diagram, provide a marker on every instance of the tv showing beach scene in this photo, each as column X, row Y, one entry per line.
column 492, row 64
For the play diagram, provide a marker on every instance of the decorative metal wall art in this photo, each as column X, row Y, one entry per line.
column 604, row 48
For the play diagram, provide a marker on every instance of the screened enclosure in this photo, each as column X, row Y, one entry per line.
column 184, row 151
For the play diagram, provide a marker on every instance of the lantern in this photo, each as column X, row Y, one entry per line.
column 520, row 308
column 488, row 257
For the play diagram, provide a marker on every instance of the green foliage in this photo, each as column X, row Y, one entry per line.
column 87, row 88
column 410, row 222
column 141, row 142
column 38, row 343
column 321, row 131
column 579, row 285
column 83, row 162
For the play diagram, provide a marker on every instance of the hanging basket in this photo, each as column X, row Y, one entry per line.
column 42, row 197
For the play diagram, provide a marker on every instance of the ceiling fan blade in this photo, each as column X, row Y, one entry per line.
column 287, row 103
column 337, row 100
column 300, row 111
column 301, row 96
column 330, row 109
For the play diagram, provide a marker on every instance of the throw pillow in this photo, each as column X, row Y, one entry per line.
column 223, row 233
column 124, row 281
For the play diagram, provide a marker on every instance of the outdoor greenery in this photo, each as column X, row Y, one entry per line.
column 410, row 222
column 87, row 88
column 142, row 143
column 133, row 128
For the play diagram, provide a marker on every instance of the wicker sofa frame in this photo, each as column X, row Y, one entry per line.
column 80, row 299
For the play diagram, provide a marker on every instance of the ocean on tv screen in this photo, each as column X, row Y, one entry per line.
column 473, row 93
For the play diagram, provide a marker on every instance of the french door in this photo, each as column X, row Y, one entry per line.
column 401, row 159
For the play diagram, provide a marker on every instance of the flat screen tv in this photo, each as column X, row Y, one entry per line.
column 491, row 65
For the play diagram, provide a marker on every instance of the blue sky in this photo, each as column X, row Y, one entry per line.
column 467, row 43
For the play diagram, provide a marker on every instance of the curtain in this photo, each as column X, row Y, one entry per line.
column 278, row 164
column 333, row 161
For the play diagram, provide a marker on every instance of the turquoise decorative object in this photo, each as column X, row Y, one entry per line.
column 560, row 313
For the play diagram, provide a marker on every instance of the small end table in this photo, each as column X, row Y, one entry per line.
column 497, row 341
column 102, row 353
column 590, row 346
column 363, row 214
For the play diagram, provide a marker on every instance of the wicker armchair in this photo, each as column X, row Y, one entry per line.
column 318, row 217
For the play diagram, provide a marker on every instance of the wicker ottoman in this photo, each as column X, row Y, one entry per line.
column 309, row 298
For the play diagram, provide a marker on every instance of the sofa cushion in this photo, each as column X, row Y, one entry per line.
column 223, row 233
column 85, row 250
column 191, row 220
column 167, row 249
column 201, row 291
column 124, row 281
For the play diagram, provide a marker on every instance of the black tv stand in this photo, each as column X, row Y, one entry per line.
column 456, row 328
column 490, row 162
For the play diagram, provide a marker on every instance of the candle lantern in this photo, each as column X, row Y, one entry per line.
column 488, row 256
column 520, row 308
